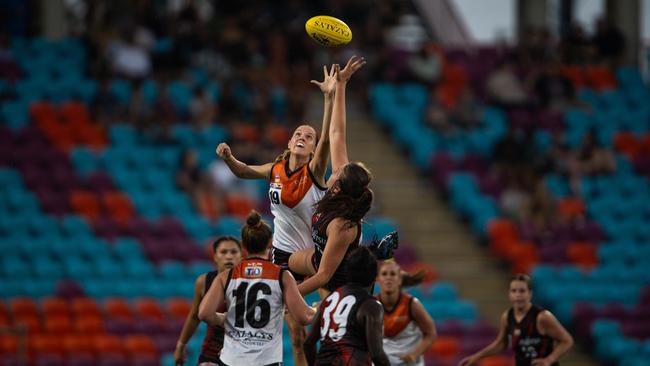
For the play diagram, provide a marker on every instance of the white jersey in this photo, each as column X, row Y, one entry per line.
column 401, row 334
column 293, row 197
column 255, row 314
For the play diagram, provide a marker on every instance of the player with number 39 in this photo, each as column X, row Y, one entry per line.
column 255, row 292
column 350, row 321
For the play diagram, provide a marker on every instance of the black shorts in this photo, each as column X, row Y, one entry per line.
column 281, row 258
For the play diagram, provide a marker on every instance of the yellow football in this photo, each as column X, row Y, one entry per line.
column 328, row 31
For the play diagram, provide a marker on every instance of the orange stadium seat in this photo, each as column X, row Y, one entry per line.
column 53, row 306
column 496, row 361
column 149, row 308
column 89, row 324
column 279, row 135
column 628, row 145
column 45, row 344
column 583, row 254
column 85, row 306
column 42, row 110
column 139, row 344
column 74, row 344
column 239, row 205
column 445, row 347
column 523, row 256
column 600, row 77
column 58, row 325
column 118, row 308
column 8, row 344
column 75, row 111
column 31, row 321
column 502, row 228
column 571, row 207
column 573, row 73
column 179, row 308
column 22, row 306
column 102, row 344
column 119, row 206
column 86, row 204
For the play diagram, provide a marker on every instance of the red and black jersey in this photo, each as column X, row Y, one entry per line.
column 213, row 341
column 342, row 336
column 319, row 224
column 524, row 338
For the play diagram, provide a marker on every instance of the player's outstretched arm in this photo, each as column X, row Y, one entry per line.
column 212, row 300
column 338, row 239
column 296, row 304
column 310, row 342
column 240, row 169
column 497, row 346
column 318, row 165
column 338, row 145
column 371, row 313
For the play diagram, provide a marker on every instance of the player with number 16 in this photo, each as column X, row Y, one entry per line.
column 255, row 292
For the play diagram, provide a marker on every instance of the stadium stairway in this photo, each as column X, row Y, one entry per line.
column 425, row 220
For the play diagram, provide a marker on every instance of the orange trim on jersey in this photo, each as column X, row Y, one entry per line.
column 295, row 185
column 255, row 268
column 396, row 320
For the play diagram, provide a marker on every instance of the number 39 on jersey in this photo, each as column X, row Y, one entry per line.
column 335, row 316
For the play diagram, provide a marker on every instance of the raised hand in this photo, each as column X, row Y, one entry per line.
column 354, row 64
column 223, row 151
column 328, row 85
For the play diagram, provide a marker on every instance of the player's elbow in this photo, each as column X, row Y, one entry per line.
column 204, row 313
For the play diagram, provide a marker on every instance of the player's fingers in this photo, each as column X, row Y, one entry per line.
column 332, row 70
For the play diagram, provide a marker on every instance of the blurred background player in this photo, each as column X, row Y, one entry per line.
column 297, row 182
column 535, row 335
column 408, row 329
column 349, row 322
column 255, row 292
column 227, row 254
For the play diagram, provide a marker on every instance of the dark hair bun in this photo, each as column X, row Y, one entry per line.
column 253, row 218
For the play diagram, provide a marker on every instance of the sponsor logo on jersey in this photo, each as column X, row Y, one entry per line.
column 253, row 271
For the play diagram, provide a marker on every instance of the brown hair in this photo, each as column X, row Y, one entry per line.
column 523, row 278
column 354, row 198
column 256, row 234
column 221, row 239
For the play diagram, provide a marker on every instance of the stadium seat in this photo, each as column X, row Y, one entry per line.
column 107, row 344
column 89, row 324
column 179, row 307
column 58, row 325
column 139, row 344
column 149, row 308
column 118, row 308
column 54, row 307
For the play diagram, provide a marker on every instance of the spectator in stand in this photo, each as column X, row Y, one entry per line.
column 105, row 107
column 141, row 113
column 202, row 109
column 468, row 113
column 436, row 116
column 504, row 87
column 609, row 42
column 552, row 89
column 426, row 65
column 514, row 199
column 593, row 158
column 127, row 58
column 575, row 47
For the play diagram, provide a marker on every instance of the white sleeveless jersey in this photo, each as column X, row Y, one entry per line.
column 403, row 342
column 401, row 334
column 293, row 197
column 255, row 314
